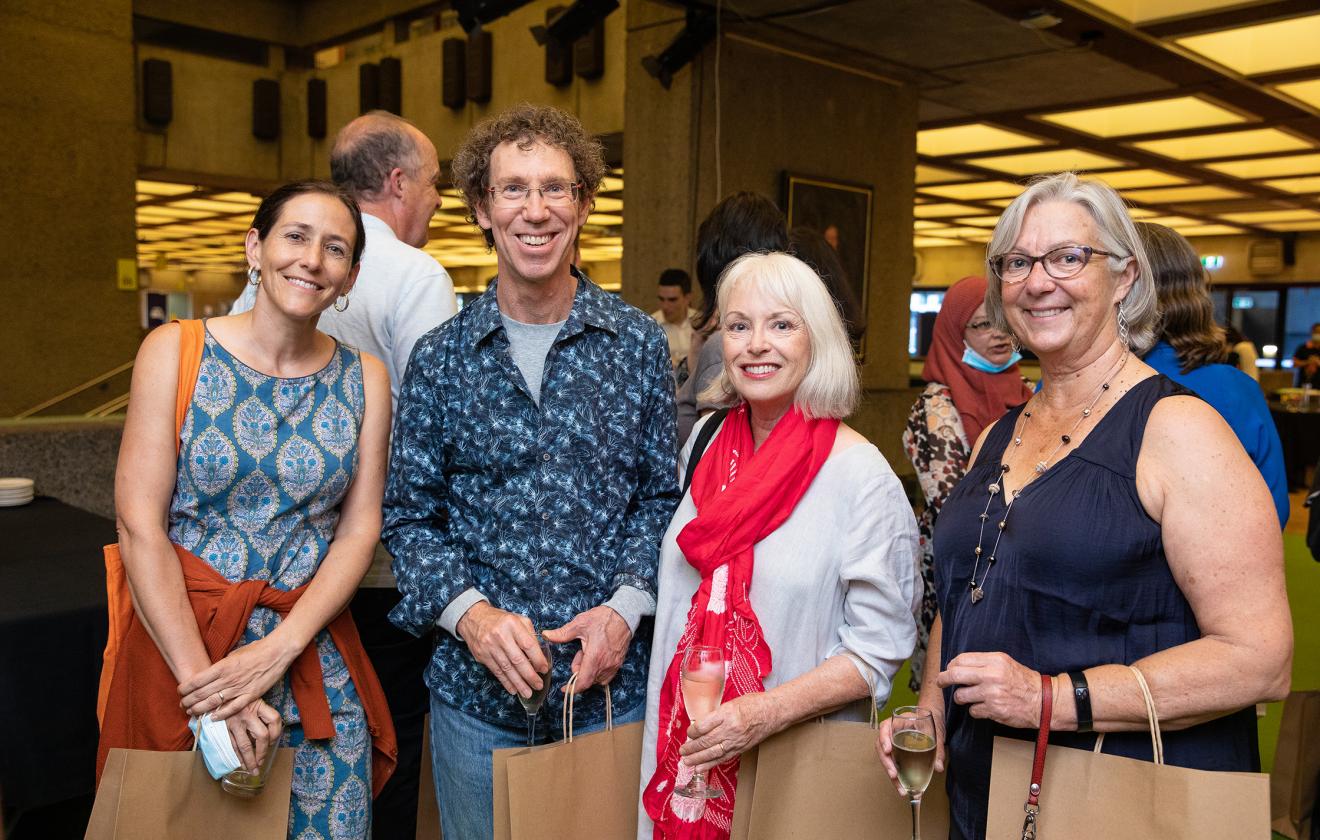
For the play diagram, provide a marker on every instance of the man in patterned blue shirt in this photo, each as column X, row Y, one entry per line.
column 533, row 470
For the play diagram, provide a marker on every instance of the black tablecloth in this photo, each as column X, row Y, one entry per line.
column 52, row 634
column 1300, row 433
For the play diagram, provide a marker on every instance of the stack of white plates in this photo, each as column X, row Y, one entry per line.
column 15, row 491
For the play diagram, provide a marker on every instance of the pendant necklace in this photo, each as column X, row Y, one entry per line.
column 977, row 589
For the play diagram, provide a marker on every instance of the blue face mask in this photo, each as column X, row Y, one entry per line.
column 973, row 359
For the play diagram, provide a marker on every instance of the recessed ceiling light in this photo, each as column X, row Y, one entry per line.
column 1260, row 141
column 1261, row 47
column 1138, row 178
column 1175, row 195
column 1146, row 117
column 935, row 175
column 1272, row 167
column 1310, row 184
column 934, row 211
column 1057, row 160
column 970, row 139
column 977, row 191
column 1263, row 216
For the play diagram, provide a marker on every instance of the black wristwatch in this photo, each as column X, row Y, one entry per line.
column 1082, row 697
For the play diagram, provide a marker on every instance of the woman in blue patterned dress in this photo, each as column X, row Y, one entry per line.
column 278, row 479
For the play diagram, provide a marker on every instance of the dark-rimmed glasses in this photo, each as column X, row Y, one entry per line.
column 1060, row 263
column 516, row 195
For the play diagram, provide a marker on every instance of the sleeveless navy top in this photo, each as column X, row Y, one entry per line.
column 1080, row 580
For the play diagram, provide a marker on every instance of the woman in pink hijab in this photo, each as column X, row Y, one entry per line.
column 972, row 375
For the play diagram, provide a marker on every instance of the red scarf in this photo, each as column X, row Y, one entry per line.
column 731, row 519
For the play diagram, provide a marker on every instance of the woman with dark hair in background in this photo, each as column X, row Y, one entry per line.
column 1191, row 346
column 972, row 379
column 1241, row 352
column 742, row 222
column 811, row 246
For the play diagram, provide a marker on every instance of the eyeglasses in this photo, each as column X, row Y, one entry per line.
column 516, row 195
column 1061, row 263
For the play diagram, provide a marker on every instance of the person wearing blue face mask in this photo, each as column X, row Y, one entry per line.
column 972, row 375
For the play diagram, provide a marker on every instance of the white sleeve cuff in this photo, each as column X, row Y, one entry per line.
column 448, row 620
column 631, row 604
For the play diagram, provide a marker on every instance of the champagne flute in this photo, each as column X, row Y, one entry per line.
column 913, row 734
column 532, row 705
column 702, row 673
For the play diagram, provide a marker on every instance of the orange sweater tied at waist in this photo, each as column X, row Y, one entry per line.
column 142, row 708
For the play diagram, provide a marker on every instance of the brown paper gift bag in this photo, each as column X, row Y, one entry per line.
column 824, row 780
column 1296, row 767
column 1092, row 796
column 170, row 794
column 584, row 786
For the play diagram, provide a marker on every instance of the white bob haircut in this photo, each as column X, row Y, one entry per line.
column 1114, row 229
column 830, row 387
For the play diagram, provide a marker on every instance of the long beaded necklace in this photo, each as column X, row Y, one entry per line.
column 977, row 589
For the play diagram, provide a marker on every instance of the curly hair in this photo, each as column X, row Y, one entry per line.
column 1187, row 315
column 524, row 124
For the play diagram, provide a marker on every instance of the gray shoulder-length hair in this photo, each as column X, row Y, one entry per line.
column 1117, row 235
column 830, row 387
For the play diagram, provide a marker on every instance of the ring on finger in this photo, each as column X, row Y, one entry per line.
column 221, row 695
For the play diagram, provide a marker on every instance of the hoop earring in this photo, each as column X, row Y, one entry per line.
column 341, row 299
column 1123, row 335
column 254, row 276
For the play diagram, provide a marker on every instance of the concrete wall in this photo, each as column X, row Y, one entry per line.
column 211, row 134
column 66, row 125
column 778, row 113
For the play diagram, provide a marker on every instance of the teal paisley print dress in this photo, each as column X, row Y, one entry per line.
column 263, row 466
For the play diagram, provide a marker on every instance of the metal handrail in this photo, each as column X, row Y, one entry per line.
column 109, row 407
column 74, row 391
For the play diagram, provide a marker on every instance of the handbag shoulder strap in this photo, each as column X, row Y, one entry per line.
column 702, row 441
column 192, row 338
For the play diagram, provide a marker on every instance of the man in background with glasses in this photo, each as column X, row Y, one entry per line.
column 533, row 470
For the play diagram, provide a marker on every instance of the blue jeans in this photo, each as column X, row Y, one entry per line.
column 461, row 747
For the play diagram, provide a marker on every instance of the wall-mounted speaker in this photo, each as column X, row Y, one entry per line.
column 478, row 66
column 368, row 88
column 558, row 55
column 391, row 85
column 316, row 122
column 589, row 53
column 453, row 65
column 266, row 109
column 157, row 92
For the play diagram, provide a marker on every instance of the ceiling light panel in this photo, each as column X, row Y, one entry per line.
column 1309, row 184
column 978, row 221
column 1210, row 230
column 1275, row 167
column 932, row 242
column 1308, row 91
column 1261, row 48
column 976, row 192
column 1261, row 141
column 1263, row 216
column 1146, row 117
column 1294, row 226
column 1146, row 11
column 1058, row 160
column 935, row 211
column 1176, row 195
column 1174, row 221
column 925, row 224
column 970, row 139
column 935, row 175
column 159, row 188
column 1139, row 178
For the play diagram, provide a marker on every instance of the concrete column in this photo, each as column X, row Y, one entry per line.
column 67, row 209
column 778, row 113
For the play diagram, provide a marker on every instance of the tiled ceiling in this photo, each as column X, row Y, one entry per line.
column 199, row 228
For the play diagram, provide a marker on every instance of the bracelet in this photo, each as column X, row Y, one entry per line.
column 1082, row 697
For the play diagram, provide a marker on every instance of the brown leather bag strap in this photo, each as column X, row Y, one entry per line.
column 191, row 340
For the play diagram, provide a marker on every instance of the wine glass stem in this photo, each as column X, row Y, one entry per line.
column 916, row 816
column 531, row 730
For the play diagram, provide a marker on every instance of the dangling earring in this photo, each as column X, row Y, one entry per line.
column 254, row 276
column 1013, row 340
column 342, row 299
column 1123, row 327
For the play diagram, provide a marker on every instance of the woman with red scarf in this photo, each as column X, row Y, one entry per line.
column 972, row 375
column 794, row 550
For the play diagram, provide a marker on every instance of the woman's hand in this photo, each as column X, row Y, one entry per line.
column 994, row 686
column 235, row 682
column 884, row 745
column 255, row 730
column 731, row 730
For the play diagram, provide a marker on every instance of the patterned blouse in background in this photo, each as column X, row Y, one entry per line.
column 263, row 466
column 545, row 511
column 938, row 449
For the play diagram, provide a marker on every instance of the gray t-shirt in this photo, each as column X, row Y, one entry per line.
column 529, row 344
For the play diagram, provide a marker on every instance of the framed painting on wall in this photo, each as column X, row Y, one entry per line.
column 841, row 212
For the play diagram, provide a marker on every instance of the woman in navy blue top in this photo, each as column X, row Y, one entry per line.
column 1191, row 347
column 1113, row 520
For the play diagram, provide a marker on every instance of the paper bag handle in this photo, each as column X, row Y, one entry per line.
column 1152, row 719
column 566, row 714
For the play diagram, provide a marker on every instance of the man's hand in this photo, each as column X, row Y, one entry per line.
column 506, row 644
column 605, row 636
